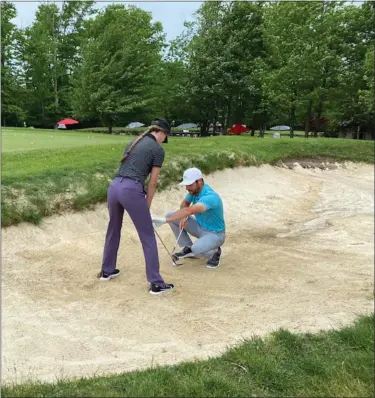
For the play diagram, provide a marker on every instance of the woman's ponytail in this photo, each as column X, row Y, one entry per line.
column 149, row 130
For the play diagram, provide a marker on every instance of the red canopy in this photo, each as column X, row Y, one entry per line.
column 68, row 121
column 238, row 129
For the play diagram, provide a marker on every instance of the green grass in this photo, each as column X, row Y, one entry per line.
column 40, row 182
column 139, row 129
column 114, row 129
column 335, row 363
column 23, row 139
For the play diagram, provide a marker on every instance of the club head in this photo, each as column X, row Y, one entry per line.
column 175, row 262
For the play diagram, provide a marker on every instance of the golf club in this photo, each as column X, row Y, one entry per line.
column 175, row 264
column 174, row 257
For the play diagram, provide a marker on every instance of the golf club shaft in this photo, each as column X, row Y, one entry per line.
column 165, row 247
column 174, row 248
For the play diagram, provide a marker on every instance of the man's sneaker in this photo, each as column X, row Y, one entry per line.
column 214, row 262
column 184, row 253
column 106, row 277
column 156, row 289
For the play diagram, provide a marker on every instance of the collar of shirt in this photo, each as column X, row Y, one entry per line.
column 202, row 192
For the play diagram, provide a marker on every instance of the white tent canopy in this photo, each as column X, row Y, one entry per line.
column 280, row 128
column 135, row 124
column 187, row 126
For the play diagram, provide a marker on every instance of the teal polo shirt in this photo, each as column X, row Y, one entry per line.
column 213, row 218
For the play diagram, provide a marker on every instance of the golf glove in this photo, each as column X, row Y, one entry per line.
column 158, row 221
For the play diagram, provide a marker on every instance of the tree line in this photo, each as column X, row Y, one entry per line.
column 309, row 65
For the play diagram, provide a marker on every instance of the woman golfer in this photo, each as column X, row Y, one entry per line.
column 143, row 156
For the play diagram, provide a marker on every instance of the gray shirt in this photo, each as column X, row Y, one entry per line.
column 140, row 161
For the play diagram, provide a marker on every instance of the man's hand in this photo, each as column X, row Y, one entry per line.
column 183, row 223
column 158, row 221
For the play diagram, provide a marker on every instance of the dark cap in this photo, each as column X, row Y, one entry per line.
column 163, row 124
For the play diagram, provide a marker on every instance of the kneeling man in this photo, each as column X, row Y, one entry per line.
column 201, row 215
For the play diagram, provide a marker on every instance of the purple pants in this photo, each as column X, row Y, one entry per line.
column 127, row 194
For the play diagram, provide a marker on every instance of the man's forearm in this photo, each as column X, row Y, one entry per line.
column 179, row 215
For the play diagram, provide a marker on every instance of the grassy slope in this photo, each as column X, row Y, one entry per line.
column 38, row 183
column 327, row 364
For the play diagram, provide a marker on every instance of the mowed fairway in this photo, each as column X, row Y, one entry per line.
column 19, row 139
column 26, row 139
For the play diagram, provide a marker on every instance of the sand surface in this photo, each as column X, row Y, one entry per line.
column 299, row 255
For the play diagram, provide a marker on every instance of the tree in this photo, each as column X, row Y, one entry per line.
column 12, row 110
column 367, row 95
column 68, row 41
column 356, row 41
column 205, row 89
column 50, row 54
column 223, row 63
column 169, row 89
column 120, row 50
column 291, row 41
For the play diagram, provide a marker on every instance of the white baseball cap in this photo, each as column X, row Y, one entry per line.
column 191, row 175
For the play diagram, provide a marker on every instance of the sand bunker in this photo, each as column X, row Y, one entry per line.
column 299, row 255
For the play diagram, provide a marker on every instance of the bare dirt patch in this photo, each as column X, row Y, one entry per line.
column 299, row 255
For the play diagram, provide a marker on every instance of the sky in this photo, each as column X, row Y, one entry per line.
column 172, row 14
